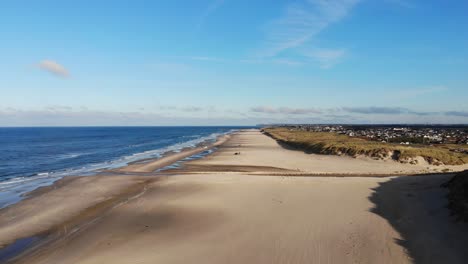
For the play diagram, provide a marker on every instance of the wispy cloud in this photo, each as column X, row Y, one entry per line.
column 175, row 109
column 192, row 109
column 302, row 21
column 287, row 62
column 284, row 110
column 58, row 108
column 212, row 7
column 381, row 110
column 411, row 93
column 277, row 61
column 206, row 58
column 327, row 58
column 402, row 3
column 60, row 115
column 353, row 111
column 54, row 68
column 457, row 113
column 15, row 117
column 376, row 110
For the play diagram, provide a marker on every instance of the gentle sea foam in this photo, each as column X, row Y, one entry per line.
column 33, row 157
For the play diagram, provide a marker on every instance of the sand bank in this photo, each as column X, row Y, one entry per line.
column 153, row 165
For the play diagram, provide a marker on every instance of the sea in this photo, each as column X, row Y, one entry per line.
column 34, row 157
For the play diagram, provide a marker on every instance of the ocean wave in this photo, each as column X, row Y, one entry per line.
column 17, row 184
column 70, row 155
column 20, row 180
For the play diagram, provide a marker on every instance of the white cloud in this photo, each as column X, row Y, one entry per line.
column 301, row 22
column 204, row 58
column 214, row 5
column 58, row 108
column 411, row 93
column 192, row 109
column 285, row 110
column 287, row 62
column 54, row 68
column 79, row 116
column 65, row 116
column 377, row 110
column 327, row 58
column 457, row 113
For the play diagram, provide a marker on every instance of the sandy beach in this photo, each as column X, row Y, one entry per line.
column 251, row 201
column 263, row 155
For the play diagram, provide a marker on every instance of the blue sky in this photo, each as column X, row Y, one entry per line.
column 233, row 62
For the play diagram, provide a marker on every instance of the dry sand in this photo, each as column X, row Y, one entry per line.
column 53, row 207
column 228, row 215
column 257, row 150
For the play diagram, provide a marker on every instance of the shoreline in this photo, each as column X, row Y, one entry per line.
column 61, row 225
column 132, row 169
column 152, row 165
column 100, row 204
column 167, row 158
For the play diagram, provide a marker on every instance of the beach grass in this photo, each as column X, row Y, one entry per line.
column 338, row 144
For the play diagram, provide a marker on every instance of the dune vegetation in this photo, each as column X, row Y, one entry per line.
column 337, row 144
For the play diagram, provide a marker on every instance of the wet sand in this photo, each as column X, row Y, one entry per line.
column 243, row 208
column 153, row 165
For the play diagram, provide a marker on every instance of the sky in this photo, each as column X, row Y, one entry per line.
column 232, row 62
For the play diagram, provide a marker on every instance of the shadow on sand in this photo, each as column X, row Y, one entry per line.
column 416, row 207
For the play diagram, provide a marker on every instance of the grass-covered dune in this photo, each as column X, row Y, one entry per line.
column 336, row 144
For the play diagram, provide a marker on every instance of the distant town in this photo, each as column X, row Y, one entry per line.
column 414, row 134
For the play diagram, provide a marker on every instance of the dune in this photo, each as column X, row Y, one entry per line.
column 262, row 152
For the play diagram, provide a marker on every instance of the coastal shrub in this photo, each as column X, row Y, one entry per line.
column 337, row 144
